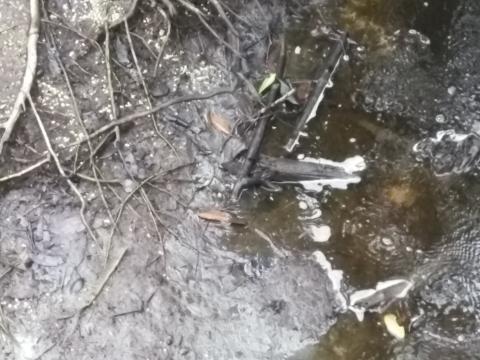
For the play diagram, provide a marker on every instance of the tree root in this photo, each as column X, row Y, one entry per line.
column 201, row 16
column 145, row 89
column 27, row 170
column 129, row 118
column 61, row 170
column 28, row 76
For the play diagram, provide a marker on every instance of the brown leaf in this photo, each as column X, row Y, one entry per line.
column 220, row 123
column 220, row 216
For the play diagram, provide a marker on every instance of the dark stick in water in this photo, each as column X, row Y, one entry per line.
column 316, row 98
column 255, row 144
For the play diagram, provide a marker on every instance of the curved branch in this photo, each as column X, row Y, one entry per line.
column 29, row 74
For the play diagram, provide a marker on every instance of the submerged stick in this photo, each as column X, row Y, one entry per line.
column 28, row 76
column 316, row 98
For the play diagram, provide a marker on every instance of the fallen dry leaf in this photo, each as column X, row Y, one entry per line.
column 220, row 123
column 220, row 216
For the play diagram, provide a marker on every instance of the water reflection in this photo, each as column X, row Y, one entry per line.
column 402, row 220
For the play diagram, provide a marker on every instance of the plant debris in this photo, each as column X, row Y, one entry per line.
column 220, row 216
column 219, row 122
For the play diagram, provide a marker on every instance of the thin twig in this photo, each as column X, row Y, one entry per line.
column 145, row 89
column 27, row 170
column 104, row 279
column 81, row 123
column 29, row 75
column 61, row 170
column 5, row 328
column 6, row 272
column 165, row 191
column 276, row 102
column 221, row 12
column 129, row 118
column 127, row 16
column 129, row 195
column 145, row 44
column 167, row 37
column 110, row 86
column 237, row 16
column 201, row 17
column 91, row 179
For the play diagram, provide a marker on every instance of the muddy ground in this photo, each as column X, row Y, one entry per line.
column 166, row 285
column 162, row 283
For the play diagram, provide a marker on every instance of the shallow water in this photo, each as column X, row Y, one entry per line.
column 406, row 218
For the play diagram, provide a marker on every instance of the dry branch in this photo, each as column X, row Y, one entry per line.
column 162, row 48
column 129, row 118
column 27, row 170
column 28, row 76
column 145, row 89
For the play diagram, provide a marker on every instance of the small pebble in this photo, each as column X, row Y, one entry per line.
column 298, row 50
column 452, row 90
column 303, row 205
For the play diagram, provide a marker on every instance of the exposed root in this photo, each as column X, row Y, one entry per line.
column 28, row 76
column 129, row 118
column 111, row 94
column 96, row 289
column 221, row 12
column 162, row 48
column 137, row 188
column 5, row 328
column 27, row 170
column 201, row 16
column 127, row 16
column 61, row 170
column 171, row 8
column 81, row 123
column 145, row 89
column 104, row 279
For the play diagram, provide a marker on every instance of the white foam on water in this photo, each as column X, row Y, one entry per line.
column 320, row 233
column 360, row 295
column 440, row 135
column 350, row 166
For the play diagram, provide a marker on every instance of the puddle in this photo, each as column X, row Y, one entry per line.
column 405, row 218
